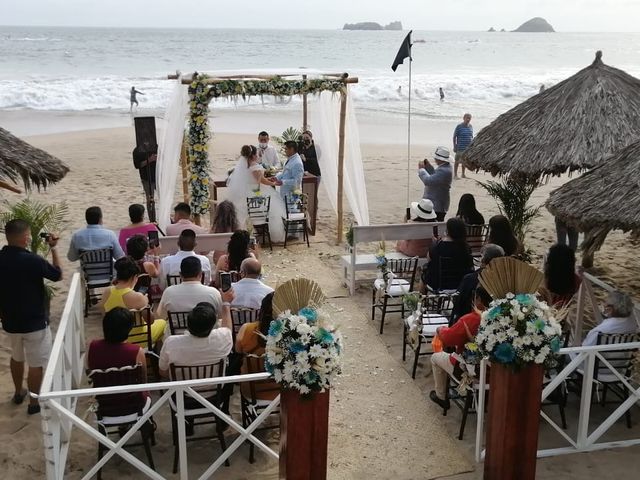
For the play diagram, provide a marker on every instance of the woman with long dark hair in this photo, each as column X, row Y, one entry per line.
column 501, row 233
column 449, row 259
column 225, row 219
column 237, row 251
column 560, row 279
column 251, row 341
column 468, row 212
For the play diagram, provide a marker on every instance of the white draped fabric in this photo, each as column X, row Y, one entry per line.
column 325, row 122
column 169, row 147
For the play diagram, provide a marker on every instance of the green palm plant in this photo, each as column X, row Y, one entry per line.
column 512, row 196
column 40, row 216
column 291, row 134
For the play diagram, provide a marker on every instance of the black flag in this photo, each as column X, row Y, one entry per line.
column 403, row 52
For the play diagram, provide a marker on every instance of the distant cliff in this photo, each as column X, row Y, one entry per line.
column 372, row 26
column 536, row 24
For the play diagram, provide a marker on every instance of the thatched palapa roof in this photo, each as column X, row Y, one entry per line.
column 19, row 160
column 605, row 198
column 573, row 125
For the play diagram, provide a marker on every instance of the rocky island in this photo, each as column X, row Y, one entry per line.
column 372, row 26
column 536, row 24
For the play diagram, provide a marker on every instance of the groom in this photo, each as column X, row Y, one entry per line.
column 290, row 178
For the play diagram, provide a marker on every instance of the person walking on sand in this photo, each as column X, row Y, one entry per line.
column 441, row 94
column 133, row 98
column 462, row 138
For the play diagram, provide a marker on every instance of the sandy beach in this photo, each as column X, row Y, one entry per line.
column 382, row 424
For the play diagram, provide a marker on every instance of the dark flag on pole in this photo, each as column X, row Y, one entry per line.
column 403, row 52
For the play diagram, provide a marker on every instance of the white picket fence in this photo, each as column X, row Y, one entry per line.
column 583, row 359
column 60, row 393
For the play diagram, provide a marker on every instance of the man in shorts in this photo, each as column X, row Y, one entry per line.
column 24, row 307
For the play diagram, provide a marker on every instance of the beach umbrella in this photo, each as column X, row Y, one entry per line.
column 571, row 126
column 20, row 160
column 603, row 199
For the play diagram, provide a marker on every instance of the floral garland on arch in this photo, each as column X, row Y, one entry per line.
column 198, row 133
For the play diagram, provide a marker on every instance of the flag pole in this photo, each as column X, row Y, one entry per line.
column 409, row 136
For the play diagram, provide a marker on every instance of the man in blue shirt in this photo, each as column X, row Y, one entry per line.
column 93, row 237
column 24, row 307
column 462, row 138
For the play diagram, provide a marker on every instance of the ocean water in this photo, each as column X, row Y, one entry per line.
column 84, row 69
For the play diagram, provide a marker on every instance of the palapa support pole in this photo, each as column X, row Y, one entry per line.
column 343, row 115
column 304, row 435
column 305, row 124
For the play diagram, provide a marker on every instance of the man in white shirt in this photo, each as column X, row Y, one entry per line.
column 201, row 344
column 182, row 219
column 618, row 310
column 250, row 290
column 185, row 296
column 170, row 265
column 267, row 153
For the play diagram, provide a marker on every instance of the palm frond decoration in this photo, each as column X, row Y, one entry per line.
column 509, row 275
column 512, row 196
column 296, row 294
column 40, row 216
column 291, row 134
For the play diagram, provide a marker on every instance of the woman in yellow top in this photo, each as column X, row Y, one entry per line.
column 251, row 340
column 121, row 294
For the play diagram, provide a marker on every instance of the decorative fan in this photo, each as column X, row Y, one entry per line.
column 509, row 275
column 296, row 294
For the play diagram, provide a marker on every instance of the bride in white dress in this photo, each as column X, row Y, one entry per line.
column 248, row 180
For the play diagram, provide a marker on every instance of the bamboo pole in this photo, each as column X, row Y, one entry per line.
column 184, row 166
column 188, row 80
column 343, row 114
column 304, row 108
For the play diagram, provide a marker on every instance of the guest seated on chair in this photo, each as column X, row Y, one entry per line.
column 561, row 281
column 225, row 219
column 469, row 283
column 457, row 336
column 421, row 211
column 113, row 351
column 501, row 233
column 237, row 250
column 201, row 344
column 618, row 318
column 182, row 221
column 93, row 237
column 467, row 211
column 446, row 275
column 137, row 249
column 250, row 290
column 251, row 339
column 121, row 294
column 186, row 295
column 137, row 226
column 170, row 265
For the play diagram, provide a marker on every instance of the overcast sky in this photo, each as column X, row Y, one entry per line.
column 564, row 15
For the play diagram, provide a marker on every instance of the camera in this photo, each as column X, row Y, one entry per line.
column 45, row 236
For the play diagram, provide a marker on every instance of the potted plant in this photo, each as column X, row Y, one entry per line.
column 519, row 335
column 303, row 352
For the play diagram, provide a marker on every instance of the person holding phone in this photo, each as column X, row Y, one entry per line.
column 437, row 181
column 137, row 226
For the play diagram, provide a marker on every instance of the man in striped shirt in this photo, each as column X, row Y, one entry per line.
column 462, row 138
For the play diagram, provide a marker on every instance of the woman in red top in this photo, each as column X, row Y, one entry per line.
column 456, row 336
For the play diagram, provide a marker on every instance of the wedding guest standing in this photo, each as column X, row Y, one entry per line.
column 437, row 181
column 309, row 154
column 462, row 138
column 267, row 153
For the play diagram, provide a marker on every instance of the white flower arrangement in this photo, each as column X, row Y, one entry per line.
column 303, row 351
column 519, row 330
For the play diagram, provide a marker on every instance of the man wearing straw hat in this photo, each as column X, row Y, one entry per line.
column 437, row 181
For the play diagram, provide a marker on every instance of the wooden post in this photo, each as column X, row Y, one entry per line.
column 305, row 124
column 304, row 435
column 513, row 422
column 343, row 115
column 184, row 164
